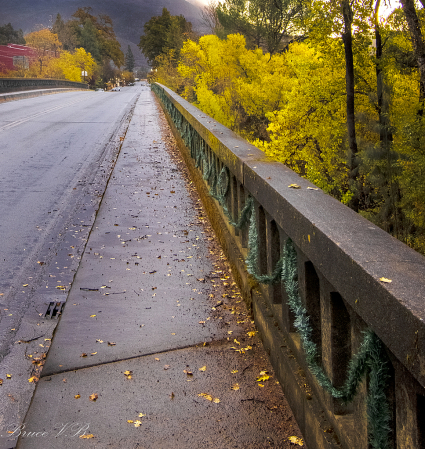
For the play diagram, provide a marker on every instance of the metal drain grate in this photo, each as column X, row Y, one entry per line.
column 54, row 310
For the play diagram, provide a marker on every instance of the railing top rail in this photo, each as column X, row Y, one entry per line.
column 15, row 83
column 350, row 252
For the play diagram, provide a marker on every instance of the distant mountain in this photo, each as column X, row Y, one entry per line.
column 128, row 16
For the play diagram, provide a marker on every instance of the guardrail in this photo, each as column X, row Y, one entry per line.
column 20, row 84
column 338, row 302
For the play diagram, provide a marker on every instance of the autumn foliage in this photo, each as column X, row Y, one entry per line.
column 292, row 105
column 83, row 49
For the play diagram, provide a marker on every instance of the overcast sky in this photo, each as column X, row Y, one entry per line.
column 199, row 2
column 386, row 5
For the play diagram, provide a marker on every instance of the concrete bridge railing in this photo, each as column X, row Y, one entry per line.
column 20, row 84
column 338, row 302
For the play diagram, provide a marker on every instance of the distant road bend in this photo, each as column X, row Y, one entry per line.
column 56, row 156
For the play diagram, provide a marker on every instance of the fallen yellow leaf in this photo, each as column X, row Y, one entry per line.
column 251, row 333
column 8, row 376
column 294, row 186
column 141, row 415
column 92, row 316
column 263, row 378
column 388, row 281
column 204, row 368
column 93, row 397
column 77, row 396
column 235, row 387
column 137, row 423
column 130, row 421
column 33, row 379
column 209, row 397
column 86, row 437
column 234, row 371
column 296, row 440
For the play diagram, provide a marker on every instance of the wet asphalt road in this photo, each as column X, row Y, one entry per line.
column 56, row 155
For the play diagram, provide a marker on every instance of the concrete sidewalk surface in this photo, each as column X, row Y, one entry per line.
column 155, row 347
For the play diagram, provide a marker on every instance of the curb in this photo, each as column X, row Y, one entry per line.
column 11, row 96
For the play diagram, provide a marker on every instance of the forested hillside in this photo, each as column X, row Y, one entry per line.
column 128, row 15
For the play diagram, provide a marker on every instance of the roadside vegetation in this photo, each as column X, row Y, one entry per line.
column 334, row 90
column 82, row 49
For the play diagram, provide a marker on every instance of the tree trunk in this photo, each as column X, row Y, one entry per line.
column 417, row 43
column 385, row 134
column 384, row 124
column 353, row 165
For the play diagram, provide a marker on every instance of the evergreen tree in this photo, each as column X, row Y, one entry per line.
column 10, row 36
column 89, row 40
column 264, row 23
column 163, row 34
column 129, row 60
column 66, row 33
column 100, row 30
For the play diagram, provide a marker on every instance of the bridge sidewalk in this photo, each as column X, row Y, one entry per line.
column 155, row 348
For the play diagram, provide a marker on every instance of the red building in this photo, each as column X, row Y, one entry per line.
column 14, row 56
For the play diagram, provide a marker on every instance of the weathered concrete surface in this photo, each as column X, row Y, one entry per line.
column 176, row 416
column 308, row 412
column 153, row 285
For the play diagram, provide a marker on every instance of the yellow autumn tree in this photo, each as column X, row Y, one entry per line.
column 165, row 72
column 127, row 77
column 46, row 45
column 71, row 66
column 293, row 106
column 290, row 105
column 210, row 67
column 307, row 131
column 226, row 81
